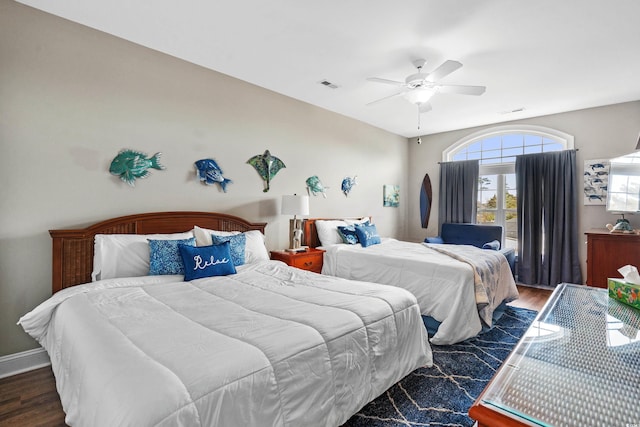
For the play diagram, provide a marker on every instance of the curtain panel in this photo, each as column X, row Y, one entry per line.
column 548, row 241
column 458, row 191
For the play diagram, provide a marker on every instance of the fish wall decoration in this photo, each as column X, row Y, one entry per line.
column 314, row 186
column 267, row 167
column 348, row 183
column 209, row 173
column 130, row 165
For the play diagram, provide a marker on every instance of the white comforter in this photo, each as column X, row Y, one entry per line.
column 444, row 286
column 271, row 345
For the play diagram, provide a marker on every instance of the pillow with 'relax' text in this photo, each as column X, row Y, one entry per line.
column 206, row 261
column 367, row 235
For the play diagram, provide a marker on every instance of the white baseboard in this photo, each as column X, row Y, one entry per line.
column 24, row 361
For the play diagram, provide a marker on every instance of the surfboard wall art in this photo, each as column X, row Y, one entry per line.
column 425, row 201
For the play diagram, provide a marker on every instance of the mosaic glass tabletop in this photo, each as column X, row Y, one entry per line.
column 577, row 365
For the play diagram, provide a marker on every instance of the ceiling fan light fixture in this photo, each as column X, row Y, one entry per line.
column 419, row 96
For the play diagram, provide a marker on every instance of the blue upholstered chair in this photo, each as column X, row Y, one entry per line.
column 481, row 236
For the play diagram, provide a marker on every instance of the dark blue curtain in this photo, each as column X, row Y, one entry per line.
column 548, row 241
column 458, row 192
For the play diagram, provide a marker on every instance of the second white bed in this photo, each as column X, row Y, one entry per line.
column 444, row 286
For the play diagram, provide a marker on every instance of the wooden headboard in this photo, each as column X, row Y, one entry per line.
column 73, row 249
column 310, row 236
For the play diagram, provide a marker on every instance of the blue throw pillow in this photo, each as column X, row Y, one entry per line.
column 237, row 242
column 164, row 256
column 367, row 235
column 206, row 261
column 348, row 234
column 494, row 245
column 437, row 239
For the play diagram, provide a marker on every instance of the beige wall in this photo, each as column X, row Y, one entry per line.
column 72, row 97
column 600, row 133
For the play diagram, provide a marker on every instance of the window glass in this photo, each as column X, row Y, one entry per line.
column 512, row 140
column 512, row 151
column 530, row 140
column 495, row 160
column 491, row 154
column 553, row 147
column 491, row 143
column 532, row 149
column 476, row 146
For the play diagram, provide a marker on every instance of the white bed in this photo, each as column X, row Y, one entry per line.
column 446, row 288
column 269, row 345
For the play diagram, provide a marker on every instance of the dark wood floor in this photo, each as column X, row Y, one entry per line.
column 31, row 399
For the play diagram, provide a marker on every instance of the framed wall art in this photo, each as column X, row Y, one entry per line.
column 391, row 195
column 596, row 181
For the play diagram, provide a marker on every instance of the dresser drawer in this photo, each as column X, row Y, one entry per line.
column 312, row 262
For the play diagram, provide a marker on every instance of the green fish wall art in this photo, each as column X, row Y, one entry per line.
column 267, row 167
column 130, row 165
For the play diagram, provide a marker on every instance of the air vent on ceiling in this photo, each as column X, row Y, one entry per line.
column 328, row 84
column 515, row 110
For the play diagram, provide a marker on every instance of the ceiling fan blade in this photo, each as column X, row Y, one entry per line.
column 386, row 97
column 385, row 81
column 445, row 69
column 424, row 107
column 462, row 89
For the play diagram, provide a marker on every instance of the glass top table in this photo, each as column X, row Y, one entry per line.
column 577, row 365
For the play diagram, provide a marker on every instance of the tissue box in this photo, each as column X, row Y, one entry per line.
column 624, row 292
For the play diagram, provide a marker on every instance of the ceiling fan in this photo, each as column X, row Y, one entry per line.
column 418, row 88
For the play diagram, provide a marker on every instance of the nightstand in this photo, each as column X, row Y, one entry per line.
column 310, row 260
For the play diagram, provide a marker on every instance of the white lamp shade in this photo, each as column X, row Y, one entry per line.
column 295, row 205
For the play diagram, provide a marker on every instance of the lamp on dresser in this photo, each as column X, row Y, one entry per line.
column 295, row 205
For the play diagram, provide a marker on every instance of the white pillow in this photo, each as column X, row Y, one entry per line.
column 254, row 250
column 356, row 221
column 125, row 255
column 203, row 235
column 328, row 231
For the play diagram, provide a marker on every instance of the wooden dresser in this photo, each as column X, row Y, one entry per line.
column 607, row 252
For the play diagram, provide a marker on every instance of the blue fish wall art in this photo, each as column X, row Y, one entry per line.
column 130, row 165
column 209, row 173
column 348, row 183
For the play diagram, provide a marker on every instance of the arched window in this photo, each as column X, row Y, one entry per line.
column 496, row 149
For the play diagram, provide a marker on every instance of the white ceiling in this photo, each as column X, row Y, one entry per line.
column 545, row 56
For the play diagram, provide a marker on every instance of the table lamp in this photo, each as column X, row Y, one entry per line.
column 295, row 205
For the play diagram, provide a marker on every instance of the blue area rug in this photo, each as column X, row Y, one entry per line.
column 442, row 395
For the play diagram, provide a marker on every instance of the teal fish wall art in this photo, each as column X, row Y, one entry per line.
column 130, row 165
column 314, row 186
column 267, row 167
column 209, row 173
column 348, row 183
